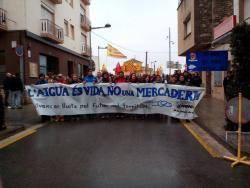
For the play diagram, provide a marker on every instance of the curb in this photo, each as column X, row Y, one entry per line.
column 14, row 138
column 209, row 143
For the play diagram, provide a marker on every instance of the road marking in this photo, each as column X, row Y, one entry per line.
column 8, row 141
column 12, row 139
column 209, row 149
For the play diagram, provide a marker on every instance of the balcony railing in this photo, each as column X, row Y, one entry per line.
column 51, row 31
column 3, row 20
column 85, row 23
column 86, row 50
column 86, row 2
column 56, row 1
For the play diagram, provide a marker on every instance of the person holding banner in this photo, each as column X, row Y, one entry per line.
column 106, row 78
column 120, row 78
column 90, row 78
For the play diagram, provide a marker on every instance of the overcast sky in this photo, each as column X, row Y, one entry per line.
column 137, row 26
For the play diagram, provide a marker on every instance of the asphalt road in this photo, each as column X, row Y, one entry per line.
column 114, row 154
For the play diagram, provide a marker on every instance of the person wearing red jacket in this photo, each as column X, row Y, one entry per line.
column 120, row 78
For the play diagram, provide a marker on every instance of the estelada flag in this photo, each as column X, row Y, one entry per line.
column 113, row 52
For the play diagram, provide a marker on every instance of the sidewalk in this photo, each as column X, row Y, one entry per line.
column 212, row 119
column 19, row 119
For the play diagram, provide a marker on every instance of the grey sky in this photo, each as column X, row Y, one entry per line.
column 137, row 26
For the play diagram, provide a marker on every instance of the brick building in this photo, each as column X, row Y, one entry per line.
column 197, row 24
column 41, row 36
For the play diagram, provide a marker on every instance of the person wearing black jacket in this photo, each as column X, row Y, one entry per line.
column 2, row 114
column 6, row 87
column 16, row 90
column 196, row 80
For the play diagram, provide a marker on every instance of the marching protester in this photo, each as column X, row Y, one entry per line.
column 16, row 90
column 133, row 78
column 106, row 78
column 120, row 78
column 6, row 87
column 74, row 79
column 90, row 78
column 178, row 78
column 41, row 80
column 99, row 77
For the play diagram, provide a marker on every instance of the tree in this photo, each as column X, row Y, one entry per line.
column 240, row 49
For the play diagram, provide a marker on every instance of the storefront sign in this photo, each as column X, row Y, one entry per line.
column 33, row 70
column 207, row 61
column 172, row 100
column 226, row 26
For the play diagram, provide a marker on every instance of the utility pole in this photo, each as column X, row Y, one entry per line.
column 146, row 67
column 169, row 57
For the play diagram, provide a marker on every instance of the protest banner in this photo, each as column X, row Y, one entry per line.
column 60, row 99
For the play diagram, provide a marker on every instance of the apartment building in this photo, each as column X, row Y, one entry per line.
column 206, row 25
column 42, row 36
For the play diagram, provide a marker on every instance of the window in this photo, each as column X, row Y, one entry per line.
column 187, row 26
column 218, row 78
column 82, row 10
column 43, row 64
column 84, row 42
column 80, row 69
column 66, row 28
column 72, row 32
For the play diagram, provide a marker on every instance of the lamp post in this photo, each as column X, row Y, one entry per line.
column 100, row 48
column 90, row 37
column 154, row 65
column 170, row 43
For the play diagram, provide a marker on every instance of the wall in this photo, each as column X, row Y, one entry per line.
column 246, row 9
column 27, row 16
column 15, row 14
column 37, row 48
column 186, row 7
column 201, row 16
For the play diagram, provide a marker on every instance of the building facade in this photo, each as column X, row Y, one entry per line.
column 42, row 36
column 213, row 20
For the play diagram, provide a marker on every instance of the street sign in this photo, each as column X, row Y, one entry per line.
column 19, row 51
column 232, row 110
column 207, row 61
column 174, row 65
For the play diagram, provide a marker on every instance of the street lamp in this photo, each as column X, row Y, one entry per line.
column 93, row 28
column 170, row 43
column 154, row 65
column 100, row 48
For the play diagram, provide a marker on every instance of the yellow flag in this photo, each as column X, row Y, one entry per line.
column 113, row 52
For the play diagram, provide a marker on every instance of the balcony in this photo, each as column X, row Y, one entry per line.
column 51, row 31
column 85, row 23
column 3, row 20
column 56, row 1
column 86, row 2
column 86, row 50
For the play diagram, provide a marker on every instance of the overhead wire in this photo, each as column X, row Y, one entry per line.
column 131, row 50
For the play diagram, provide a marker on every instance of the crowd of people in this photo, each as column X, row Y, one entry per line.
column 178, row 78
column 14, row 88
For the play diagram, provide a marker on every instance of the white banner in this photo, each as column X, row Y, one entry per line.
column 60, row 99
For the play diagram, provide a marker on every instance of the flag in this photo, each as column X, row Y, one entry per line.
column 118, row 68
column 113, row 52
